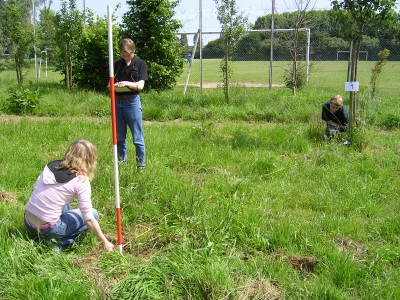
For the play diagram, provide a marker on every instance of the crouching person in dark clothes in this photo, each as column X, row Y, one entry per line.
column 335, row 115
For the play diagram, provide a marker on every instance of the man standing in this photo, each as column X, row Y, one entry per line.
column 130, row 77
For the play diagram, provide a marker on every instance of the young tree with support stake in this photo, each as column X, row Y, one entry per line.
column 296, row 77
column 353, row 16
column 233, row 28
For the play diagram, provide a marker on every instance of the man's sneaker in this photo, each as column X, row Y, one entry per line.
column 141, row 168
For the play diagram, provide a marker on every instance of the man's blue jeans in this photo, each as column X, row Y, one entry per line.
column 129, row 114
column 66, row 230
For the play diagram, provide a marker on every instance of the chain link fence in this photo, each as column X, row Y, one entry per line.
column 326, row 63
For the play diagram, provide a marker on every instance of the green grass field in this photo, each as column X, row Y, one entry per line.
column 240, row 200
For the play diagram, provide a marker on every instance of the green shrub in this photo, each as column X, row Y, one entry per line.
column 301, row 77
column 22, row 100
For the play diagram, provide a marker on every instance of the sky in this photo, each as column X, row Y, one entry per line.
column 188, row 10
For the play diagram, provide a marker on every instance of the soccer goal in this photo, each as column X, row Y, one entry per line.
column 345, row 55
column 253, row 61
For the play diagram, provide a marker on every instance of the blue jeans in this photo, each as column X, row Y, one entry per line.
column 129, row 114
column 66, row 230
column 331, row 130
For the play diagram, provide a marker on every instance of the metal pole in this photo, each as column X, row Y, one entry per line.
column 34, row 36
column 46, row 62
column 114, row 128
column 190, row 63
column 271, row 57
column 308, row 53
column 84, row 12
column 201, row 43
column 40, row 63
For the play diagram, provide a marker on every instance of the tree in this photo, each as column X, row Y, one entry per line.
column 18, row 30
column 46, row 31
column 150, row 24
column 376, row 71
column 295, row 77
column 233, row 28
column 91, row 57
column 213, row 49
column 183, row 40
column 3, row 38
column 69, row 27
column 251, row 47
column 353, row 16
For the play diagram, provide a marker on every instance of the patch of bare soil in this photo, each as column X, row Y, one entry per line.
column 261, row 289
column 304, row 264
column 213, row 85
column 8, row 197
column 13, row 118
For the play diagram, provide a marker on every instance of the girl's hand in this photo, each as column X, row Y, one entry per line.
column 108, row 246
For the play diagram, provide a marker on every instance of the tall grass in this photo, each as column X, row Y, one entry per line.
column 244, row 200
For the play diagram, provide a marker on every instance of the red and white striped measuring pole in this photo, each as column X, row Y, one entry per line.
column 114, row 127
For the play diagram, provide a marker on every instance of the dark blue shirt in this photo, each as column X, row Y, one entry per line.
column 341, row 116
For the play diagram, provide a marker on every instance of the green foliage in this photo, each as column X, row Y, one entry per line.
column 298, row 79
column 328, row 34
column 352, row 17
column 18, row 29
column 69, row 27
column 22, row 100
column 150, row 24
column 376, row 71
column 213, row 49
column 46, row 31
column 91, row 58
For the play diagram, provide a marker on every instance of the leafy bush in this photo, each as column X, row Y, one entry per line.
column 152, row 26
column 22, row 100
column 301, row 76
column 377, row 69
column 91, row 58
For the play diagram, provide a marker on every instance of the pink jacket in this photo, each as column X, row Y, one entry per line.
column 49, row 196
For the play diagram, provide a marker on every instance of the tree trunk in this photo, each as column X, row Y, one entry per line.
column 18, row 69
column 67, row 61
column 295, row 69
column 353, row 77
column 226, row 83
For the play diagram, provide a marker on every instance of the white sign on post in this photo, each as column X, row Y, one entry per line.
column 352, row 86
